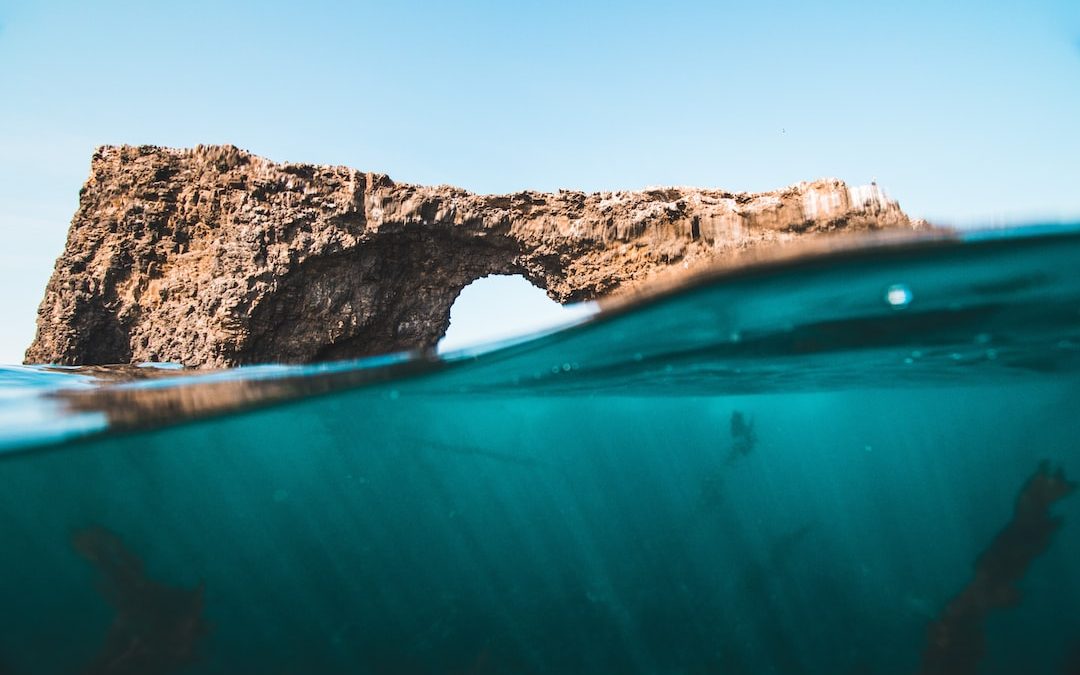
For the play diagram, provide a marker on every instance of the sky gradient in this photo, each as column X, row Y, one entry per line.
column 966, row 112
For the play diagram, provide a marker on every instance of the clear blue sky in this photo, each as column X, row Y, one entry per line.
column 966, row 112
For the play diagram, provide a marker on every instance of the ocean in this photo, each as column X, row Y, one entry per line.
column 856, row 463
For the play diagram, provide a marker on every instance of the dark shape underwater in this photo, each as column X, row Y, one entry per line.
column 157, row 628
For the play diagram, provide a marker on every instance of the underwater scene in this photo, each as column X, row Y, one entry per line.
column 862, row 462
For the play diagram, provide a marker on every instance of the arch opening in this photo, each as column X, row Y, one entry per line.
column 504, row 306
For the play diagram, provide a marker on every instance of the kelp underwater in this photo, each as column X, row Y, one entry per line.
column 720, row 480
column 157, row 628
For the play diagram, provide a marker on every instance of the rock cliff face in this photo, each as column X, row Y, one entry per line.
column 215, row 257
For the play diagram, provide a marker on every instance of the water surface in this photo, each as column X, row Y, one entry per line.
column 790, row 469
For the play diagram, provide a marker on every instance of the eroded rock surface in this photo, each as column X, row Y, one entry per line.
column 215, row 257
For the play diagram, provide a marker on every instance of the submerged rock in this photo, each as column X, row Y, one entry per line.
column 215, row 257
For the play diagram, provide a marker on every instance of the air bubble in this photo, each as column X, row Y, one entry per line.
column 898, row 296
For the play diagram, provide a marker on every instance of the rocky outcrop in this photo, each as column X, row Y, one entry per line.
column 215, row 257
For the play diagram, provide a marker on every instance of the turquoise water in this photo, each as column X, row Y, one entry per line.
column 789, row 469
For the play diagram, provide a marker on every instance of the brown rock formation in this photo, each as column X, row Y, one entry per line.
column 216, row 257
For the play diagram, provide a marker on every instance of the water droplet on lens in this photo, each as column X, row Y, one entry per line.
column 982, row 338
column 394, row 394
column 638, row 356
column 898, row 296
column 566, row 367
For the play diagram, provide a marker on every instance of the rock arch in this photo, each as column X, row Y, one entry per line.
column 391, row 294
column 215, row 257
